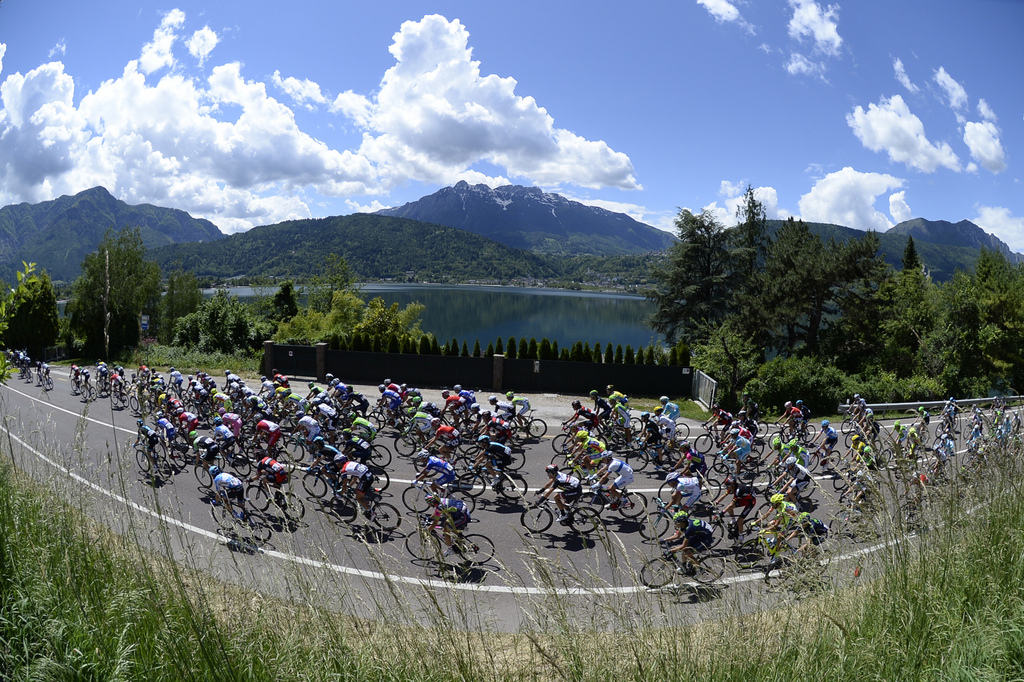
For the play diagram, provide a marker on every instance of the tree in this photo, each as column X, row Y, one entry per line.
column 116, row 286
column 510, row 348
column 749, row 237
column 730, row 357
column 183, row 297
column 331, row 276
column 223, row 324
column 33, row 323
column 476, row 349
column 9, row 301
column 285, row 303
column 695, row 286
column 609, row 354
column 524, row 349
column 380, row 320
column 910, row 259
column 499, row 348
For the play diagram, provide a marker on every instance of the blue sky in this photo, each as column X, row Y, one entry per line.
column 247, row 113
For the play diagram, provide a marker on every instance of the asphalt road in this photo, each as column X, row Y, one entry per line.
column 84, row 449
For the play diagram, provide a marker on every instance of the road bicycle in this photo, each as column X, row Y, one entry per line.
column 539, row 516
column 764, row 551
column 661, row 519
column 381, row 515
column 664, row 569
column 241, row 523
column 427, row 543
column 282, row 501
column 630, row 505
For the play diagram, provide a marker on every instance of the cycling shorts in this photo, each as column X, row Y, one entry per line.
column 445, row 478
column 571, row 495
column 689, row 498
column 365, row 483
column 623, row 480
column 701, row 541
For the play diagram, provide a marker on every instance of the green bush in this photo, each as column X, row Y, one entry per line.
column 821, row 387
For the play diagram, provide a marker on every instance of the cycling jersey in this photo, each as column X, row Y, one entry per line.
column 276, row 472
column 454, row 510
column 624, row 473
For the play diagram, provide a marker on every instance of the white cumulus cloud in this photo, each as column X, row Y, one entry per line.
column 982, row 138
column 890, row 126
column 847, row 197
column 1001, row 223
column 733, row 198
column 799, row 65
column 201, row 44
column 898, row 207
column 304, row 92
column 156, row 54
column 724, row 11
column 435, row 115
column 902, row 77
column 811, row 20
column 956, row 96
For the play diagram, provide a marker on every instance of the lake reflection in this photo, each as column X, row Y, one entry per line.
column 469, row 312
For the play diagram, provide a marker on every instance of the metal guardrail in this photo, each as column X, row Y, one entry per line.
column 928, row 404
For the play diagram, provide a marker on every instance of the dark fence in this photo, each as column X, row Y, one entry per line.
column 496, row 374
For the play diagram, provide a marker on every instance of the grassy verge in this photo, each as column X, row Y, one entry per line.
column 79, row 602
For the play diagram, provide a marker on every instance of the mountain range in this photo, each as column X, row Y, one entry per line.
column 58, row 234
column 529, row 219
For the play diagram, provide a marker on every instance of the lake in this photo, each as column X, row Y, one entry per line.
column 469, row 312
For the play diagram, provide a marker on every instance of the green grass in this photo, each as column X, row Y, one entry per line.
column 79, row 602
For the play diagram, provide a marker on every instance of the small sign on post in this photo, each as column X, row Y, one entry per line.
column 144, row 322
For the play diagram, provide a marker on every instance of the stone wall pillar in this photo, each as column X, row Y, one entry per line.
column 498, row 373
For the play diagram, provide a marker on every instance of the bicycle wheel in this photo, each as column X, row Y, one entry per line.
column 405, row 445
column 289, row 504
column 423, row 544
column 414, row 499
column 561, row 444
column 89, row 393
column 257, row 496
column 682, row 430
column 657, row 524
column 511, row 486
column 203, row 476
column 638, row 459
column 48, row 382
column 144, row 460
column 537, row 519
column 256, row 527
column 386, row 517
column 381, row 479
column 294, row 449
column 633, row 505
column 133, row 404
column 709, row 569
column 241, row 465
column 315, row 484
column 704, row 443
column 586, row 520
column 658, row 572
column 475, row 548
column 846, row 426
column 537, row 428
column 749, row 553
column 223, row 517
column 472, row 484
column 381, row 456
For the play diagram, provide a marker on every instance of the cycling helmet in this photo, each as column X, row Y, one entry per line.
column 484, row 439
column 776, row 443
column 485, row 414
column 734, row 432
column 791, row 461
column 856, row 396
column 582, row 436
column 431, row 499
column 856, row 439
column 221, row 411
column 227, row 372
column 253, row 399
column 663, row 399
column 193, row 435
column 551, row 469
column 799, row 403
column 593, row 394
column 435, row 421
column 344, row 432
column 609, row 388
column 381, row 388
column 681, row 516
column 172, row 370
column 139, row 422
column 493, row 400
column 318, row 441
column 921, row 409
column 328, row 376
column 645, row 415
column 778, row 498
column 445, row 394
column 788, row 404
column 158, row 415
column 685, row 445
column 457, row 387
column 263, row 377
column 510, row 395
column 659, row 410
column 311, row 384
column 825, row 423
column 672, row 477
column 217, row 421
column 214, row 471
column 576, row 404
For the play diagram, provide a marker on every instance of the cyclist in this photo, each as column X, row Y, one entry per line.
column 438, row 466
column 268, row 431
column 623, row 477
column 785, row 513
column 743, row 495
column 687, row 490
column 589, row 418
column 736, row 450
column 791, row 417
column 363, row 427
column 521, row 405
column 309, row 425
column 602, row 407
column 586, row 445
column 829, row 437
column 447, row 439
column 356, row 448
column 363, row 477
column 165, row 425
column 691, row 534
column 493, row 456
column 669, row 409
column 223, row 434
column 814, row 531
column 187, row 421
column 228, row 490
column 271, row 471
column 451, row 516
column 233, row 421
column 566, row 488
column 151, row 436
column 799, row 478
column 666, row 425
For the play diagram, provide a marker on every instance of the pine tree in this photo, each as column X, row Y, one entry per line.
column 564, row 355
column 609, row 354
column 544, row 353
column 618, row 354
column 465, row 350
column 576, row 354
column 524, row 349
column 587, row 357
column 489, row 353
column 476, row 349
column 510, row 349
column 499, row 348
column 628, row 358
column 424, row 348
column 435, row 347
column 533, row 352
column 910, row 258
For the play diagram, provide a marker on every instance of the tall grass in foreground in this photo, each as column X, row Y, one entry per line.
column 78, row 602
